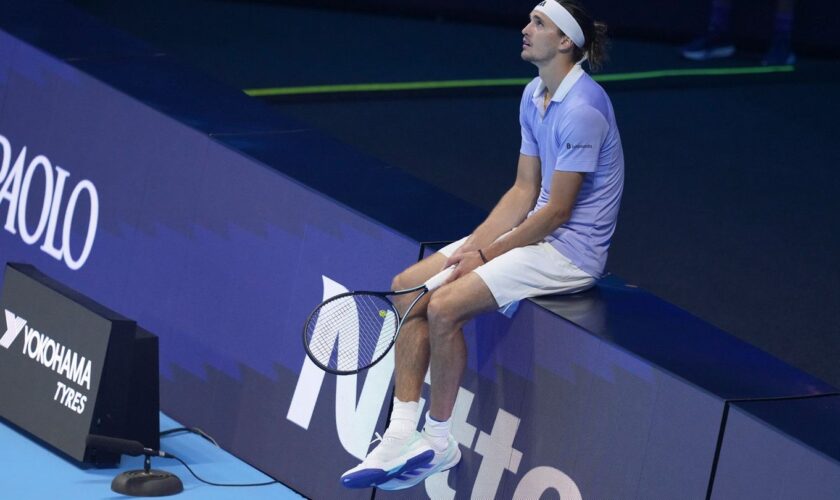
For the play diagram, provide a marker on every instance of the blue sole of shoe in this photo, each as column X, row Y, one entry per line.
column 368, row 478
column 410, row 478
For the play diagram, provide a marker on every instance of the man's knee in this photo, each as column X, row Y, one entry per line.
column 442, row 313
column 403, row 281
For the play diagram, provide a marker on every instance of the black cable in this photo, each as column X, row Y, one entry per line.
column 173, row 431
column 194, row 430
column 220, row 484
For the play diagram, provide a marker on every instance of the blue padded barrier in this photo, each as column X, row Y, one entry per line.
column 781, row 449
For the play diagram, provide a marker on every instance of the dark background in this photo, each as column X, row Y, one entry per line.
column 816, row 20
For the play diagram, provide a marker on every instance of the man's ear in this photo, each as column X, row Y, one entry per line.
column 566, row 45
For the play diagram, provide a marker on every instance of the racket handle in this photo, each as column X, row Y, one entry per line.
column 437, row 280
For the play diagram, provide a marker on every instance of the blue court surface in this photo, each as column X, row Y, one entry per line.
column 32, row 471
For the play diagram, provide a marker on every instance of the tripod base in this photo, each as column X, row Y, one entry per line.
column 147, row 483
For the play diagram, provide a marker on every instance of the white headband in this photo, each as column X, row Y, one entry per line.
column 563, row 19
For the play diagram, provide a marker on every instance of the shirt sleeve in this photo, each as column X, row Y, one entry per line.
column 579, row 139
column 529, row 142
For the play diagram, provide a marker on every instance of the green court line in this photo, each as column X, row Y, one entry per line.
column 509, row 82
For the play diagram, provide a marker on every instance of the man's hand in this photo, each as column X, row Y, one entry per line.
column 464, row 264
column 456, row 257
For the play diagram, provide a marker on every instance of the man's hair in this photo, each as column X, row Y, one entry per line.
column 594, row 32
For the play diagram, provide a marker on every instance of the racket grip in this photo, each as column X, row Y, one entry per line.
column 437, row 280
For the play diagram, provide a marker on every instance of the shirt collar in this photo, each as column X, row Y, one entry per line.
column 565, row 86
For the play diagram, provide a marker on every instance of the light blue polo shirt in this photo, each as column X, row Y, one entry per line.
column 577, row 134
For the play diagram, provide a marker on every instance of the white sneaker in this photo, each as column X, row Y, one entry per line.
column 395, row 455
column 442, row 461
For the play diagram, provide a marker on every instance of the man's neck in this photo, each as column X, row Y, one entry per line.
column 552, row 74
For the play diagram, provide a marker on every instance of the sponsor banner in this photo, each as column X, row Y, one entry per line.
column 53, row 351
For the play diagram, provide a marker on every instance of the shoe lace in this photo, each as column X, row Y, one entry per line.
column 390, row 436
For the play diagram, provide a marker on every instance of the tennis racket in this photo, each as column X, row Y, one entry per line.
column 353, row 331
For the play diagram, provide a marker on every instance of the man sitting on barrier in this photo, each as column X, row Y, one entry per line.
column 548, row 234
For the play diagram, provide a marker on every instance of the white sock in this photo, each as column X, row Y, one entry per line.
column 437, row 432
column 404, row 417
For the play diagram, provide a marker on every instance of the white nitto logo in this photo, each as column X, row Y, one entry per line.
column 16, row 180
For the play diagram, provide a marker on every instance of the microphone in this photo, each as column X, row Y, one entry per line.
column 122, row 446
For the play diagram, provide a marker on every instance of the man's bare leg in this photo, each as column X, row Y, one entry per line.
column 412, row 349
column 449, row 308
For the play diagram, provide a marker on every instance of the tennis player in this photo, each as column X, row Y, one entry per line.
column 548, row 234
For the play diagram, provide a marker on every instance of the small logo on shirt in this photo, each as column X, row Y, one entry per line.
column 569, row 145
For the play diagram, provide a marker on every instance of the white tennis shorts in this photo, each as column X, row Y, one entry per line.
column 529, row 271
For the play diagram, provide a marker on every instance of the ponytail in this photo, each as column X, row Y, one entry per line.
column 595, row 32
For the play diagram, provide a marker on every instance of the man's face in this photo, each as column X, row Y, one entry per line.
column 541, row 39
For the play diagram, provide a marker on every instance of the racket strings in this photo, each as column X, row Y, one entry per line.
column 351, row 332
